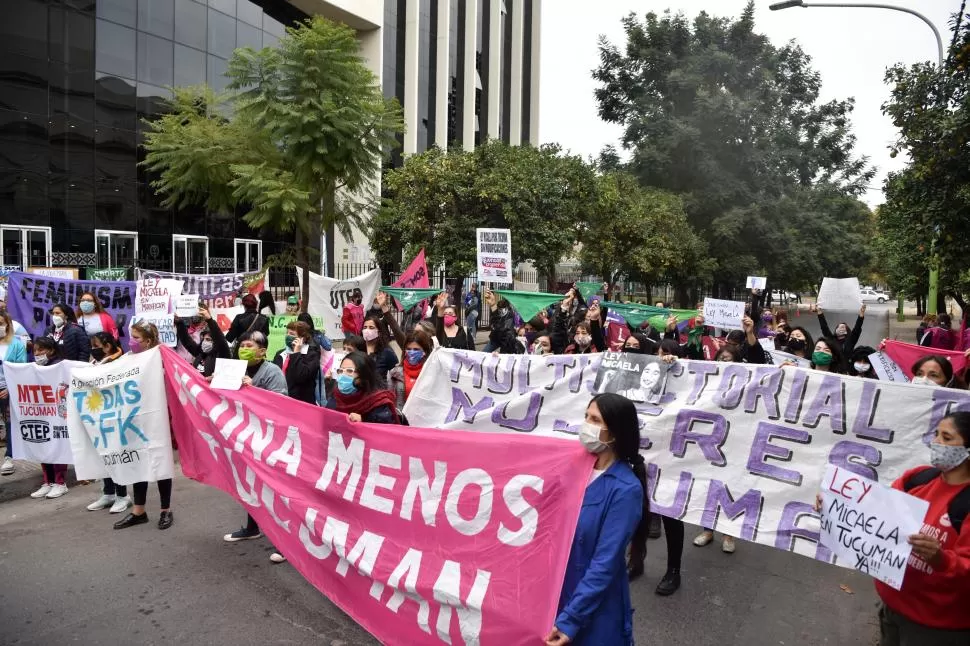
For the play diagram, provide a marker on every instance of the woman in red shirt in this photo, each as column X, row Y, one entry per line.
column 933, row 607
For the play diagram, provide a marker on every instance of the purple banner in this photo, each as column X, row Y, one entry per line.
column 30, row 299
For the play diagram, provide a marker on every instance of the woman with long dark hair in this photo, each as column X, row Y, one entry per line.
column 360, row 392
column 377, row 336
column 48, row 352
column 828, row 356
column 595, row 607
column 300, row 362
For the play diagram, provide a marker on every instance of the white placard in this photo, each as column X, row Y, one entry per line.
column 38, row 430
column 153, row 296
column 886, row 369
column 228, row 374
column 723, row 314
column 163, row 322
column 779, row 358
column 494, row 250
column 187, row 305
column 867, row 524
column 840, row 294
column 756, row 282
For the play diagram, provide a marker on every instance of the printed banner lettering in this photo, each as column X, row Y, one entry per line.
column 737, row 447
column 38, row 429
column 420, row 538
column 886, row 369
column 118, row 418
column 219, row 291
column 329, row 295
column 109, row 273
column 494, row 251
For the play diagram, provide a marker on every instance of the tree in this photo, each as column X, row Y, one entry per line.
column 298, row 139
column 715, row 113
column 926, row 218
column 436, row 200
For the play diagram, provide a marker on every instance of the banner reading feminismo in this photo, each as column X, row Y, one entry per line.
column 421, row 539
column 737, row 447
column 38, row 429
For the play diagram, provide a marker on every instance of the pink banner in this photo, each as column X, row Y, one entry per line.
column 421, row 536
column 906, row 354
column 416, row 275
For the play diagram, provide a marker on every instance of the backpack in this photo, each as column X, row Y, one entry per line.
column 960, row 504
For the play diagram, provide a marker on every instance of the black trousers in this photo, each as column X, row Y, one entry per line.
column 140, row 490
column 673, row 528
column 112, row 489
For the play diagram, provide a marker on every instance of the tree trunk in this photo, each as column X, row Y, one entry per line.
column 550, row 275
column 681, row 296
column 303, row 263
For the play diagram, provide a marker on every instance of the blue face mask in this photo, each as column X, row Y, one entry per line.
column 345, row 384
column 414, row 357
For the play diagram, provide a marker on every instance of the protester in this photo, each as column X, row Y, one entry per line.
column 47, row 352
column 594, row 607
column 940, row 337
column 352, row 319
column 860, row 363
column 292, row 305
column 144, row 336
column 931, row 607
column 929, row 321
column 105, row 349
column 12, row 350
column 417, row 349
column 935, row 370
column 194, row 327
column 743, row 345
column 845, row 339
column 360, row 394
column 501, row 335
column 638, row 343
column 542, row 345
column 828, row 357
column 73, row 342
column 212, row 343
column 375, row 334
column 447, row 330
column 92, row 318
column 800, row 343
column 266, row 304
column 300, row 362
column 354, row 343
column 473, row 311
column 319, row 337
column 18, row 329
column 250, row 320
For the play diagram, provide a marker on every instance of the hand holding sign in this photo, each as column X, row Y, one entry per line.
column 723, row 314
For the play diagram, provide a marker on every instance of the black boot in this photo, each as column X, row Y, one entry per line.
column 654, row 530
column 669, row 584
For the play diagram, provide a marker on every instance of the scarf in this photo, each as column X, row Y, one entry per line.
column 410, row 376
column 363, row 403
column 694, row 334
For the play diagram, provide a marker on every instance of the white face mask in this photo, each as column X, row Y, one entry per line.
column 947, row 457
column 589, row 437
column 41, row 359
column 58, row 321
column 582, row 340
column 370, row 334
column 924, row 381
column 206, row 346
column 861, row 366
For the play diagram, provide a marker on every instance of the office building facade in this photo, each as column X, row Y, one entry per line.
column 77, row 78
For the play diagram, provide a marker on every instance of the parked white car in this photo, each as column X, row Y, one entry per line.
column 780, row 296
column 872, row 296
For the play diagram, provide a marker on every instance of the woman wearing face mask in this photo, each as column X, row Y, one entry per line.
column 860, row 364
column 931, row 607
column 800, row 343
column 595, row 607
column 846, row 340
column 417, row 349
column 105, row 349
column 300, row 362
column 583, row 342
column 542, row 345
column 144, row 336
column 12, row 350
column 73, row 342
column 249, row 321
column 92, row 318
column 447, row 330
column 48, row 353
column 212, row 344
column 934, row 370
column 501, row 336
column 360, row 393
column 376, row 336
column 827, row 356
column 941, row 336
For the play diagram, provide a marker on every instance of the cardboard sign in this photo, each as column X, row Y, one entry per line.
column 723, row 314
column 868, row 524
column 186, row 305
column 840, row 294
column 494, row 249
column 756, row 282
column 229, row 374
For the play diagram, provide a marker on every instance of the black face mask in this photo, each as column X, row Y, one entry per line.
column 97, row 354
column 796, row 344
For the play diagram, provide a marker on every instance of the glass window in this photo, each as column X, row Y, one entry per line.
column 114, row 208
column 152, row 216
column 24, row 142
column 115, row 155
column 72, row 38
column 151, row 99
column 120, row 11
column 222, row 34
column 71, row 147
column 156, row 17
column 189, row 66
column 71, row 202
column 247, row 36
column 155, row 60
column 225, row 6
column 23, row 200
column 115, row 102
column 84, row 6
column 249, row 12
column 115, row 49
column 217, row 73
column 190, row 23
column 71, row 92
column 23, row 84
column 24, row 30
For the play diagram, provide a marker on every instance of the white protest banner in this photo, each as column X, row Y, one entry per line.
column 840, row 294
column 228, row 374
column 219, row 291
column 756, row 282
column 38, row 411
column 738, row 447
column 187, row 305
column 866, row 524
column 779, row 358
column 494, row 250
column 153, row 296
column 723, row 314
column 886, row 369
column 118, row 420
column 329, row 295
column 165, row 323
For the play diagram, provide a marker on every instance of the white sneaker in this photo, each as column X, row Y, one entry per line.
column 57, row 491
column 7, row 467
column 42, row 492
column 101, row 503
column 121, row 504
column 276, row 557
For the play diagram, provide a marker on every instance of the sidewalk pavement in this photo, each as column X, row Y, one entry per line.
column 27, row 479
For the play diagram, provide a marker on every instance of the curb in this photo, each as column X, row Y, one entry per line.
column 26, row 480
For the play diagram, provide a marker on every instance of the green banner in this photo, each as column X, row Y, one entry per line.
column 528, row 304
column 277, row 332
column 660, row 322
column 109, row 273
column 636, row 314
column 588, row 289
column 408, row 297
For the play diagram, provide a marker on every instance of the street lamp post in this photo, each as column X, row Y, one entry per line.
column 931, row 299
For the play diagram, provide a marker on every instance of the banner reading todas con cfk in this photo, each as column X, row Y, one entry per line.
column 738, row 447
column 118, row 416
column 422, row 539
column 38, row 429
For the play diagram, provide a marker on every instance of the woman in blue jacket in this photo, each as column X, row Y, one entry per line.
column 594, row 607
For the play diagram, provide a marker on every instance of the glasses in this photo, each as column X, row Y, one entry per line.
column 346, row 371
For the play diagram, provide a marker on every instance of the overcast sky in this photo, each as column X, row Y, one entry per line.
column 851, row 48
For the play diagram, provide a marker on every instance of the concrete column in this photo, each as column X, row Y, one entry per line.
column 471, row 46
column 536, row 57
column 442, row 74
column 515, row 64
column 494, row 89
column 412, row 41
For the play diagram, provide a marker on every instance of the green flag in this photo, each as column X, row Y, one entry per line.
column 528, row 304
column 408, row 297
column 588, row 289
column 660, row 321
column 110, row 273
column 636, row 314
